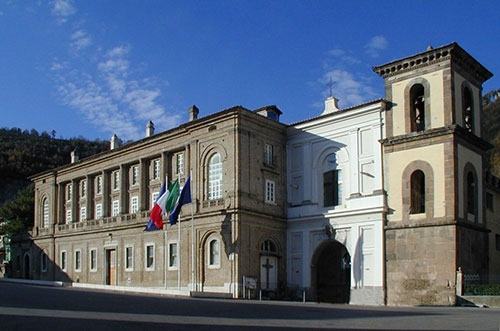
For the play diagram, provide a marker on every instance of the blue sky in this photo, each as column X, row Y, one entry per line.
column 94, row 68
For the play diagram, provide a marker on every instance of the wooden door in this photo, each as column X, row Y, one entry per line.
column 111, row 267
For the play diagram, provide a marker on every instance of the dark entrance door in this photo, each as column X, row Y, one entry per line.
column 26, row 266
column 111, row 267
column 333, row 273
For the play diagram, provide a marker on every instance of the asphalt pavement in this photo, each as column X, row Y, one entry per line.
column 38, row 307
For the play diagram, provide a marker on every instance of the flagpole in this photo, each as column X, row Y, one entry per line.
column 192, row 236
column 179, row 245
column 165, row 264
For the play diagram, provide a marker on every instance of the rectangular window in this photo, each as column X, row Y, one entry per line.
column 116, row 207
column 69, row 217
column 134, row 205
column 43, row 262
column 83, row 188
column 98, row 185
column 154, row 196
column 93, row 259
column 172, row 258
column 116, row 180
column 69, row 192
column 270, row 191
column 78, row 261
column 156, row 169
column 497, row 242
column 129, row 258
column 63, row 262
column 268, row 154
column 179, row 164
column 150, row 257
column 489, row 201
column 98, row 211
column 332, row 188
column 135, row 175
column 83, row 214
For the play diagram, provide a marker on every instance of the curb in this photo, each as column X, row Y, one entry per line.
column 33, row 282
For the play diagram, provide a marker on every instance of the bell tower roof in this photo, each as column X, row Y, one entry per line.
column 451, row 52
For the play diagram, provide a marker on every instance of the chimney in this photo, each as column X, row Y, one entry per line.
column 193, row 113
column 115, row 141
column 74, row 156
column 330, row 105
column 150, row 129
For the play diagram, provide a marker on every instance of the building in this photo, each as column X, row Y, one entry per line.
column 90, row 214
column 434, row 174
column 337, row 205
column 380, row 203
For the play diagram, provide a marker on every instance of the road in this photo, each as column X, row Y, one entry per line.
column 30, row 307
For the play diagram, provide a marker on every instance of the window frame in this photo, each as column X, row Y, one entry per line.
column 63, row 260
column 417, row 192
column 173, row 266
column 69, row 192
column 116, row 180
column 268, row 154
column 336, row 188
column 214, row 177
column 270, row 192
column 129, row 266
column 98, row 185
column 77, row 260
column 146, row 260
column 83, row 214
column 179, row 164
column 115, row 210
column 69, row 216
column 211, row 263
column 93, row 262
column 45, row 212
column 134, row 207
column 83, row 188
column 98, row 211
column 43, row 261
column 156, row 169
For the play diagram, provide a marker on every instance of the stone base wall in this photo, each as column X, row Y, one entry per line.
column 368, row 295
column 472, row 251
column 421, row 264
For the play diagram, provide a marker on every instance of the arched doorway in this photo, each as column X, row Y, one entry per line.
column 26, row 266
column 331, row 273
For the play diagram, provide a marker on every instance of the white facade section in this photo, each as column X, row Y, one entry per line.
column 348, row 142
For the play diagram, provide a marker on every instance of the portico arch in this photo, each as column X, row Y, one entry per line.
column 331, row 272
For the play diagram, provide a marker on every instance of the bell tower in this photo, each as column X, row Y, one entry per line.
column 433, row 170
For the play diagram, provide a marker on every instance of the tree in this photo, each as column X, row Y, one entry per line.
column 16, row 216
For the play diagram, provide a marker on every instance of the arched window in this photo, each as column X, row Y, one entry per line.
column 417, row 192
column 417, row 108
column 471, row 193
column 268, row 247
column 45, row 213
column 468, row 109
column 214, row 253
column 215, row 177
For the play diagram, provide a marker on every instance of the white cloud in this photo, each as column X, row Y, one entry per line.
column 62, row 9
column 80, row 40
column 349, row 90
column 375, row 45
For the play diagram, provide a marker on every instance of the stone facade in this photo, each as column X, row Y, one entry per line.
column 107, row 244
column 379, row 203
column 433, row 164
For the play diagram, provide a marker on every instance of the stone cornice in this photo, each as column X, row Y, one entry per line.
column 447, row 130
column 451, row 52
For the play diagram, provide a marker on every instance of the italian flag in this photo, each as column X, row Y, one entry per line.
column 164, row 203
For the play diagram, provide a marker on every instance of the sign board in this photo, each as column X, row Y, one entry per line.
column 250, row 282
